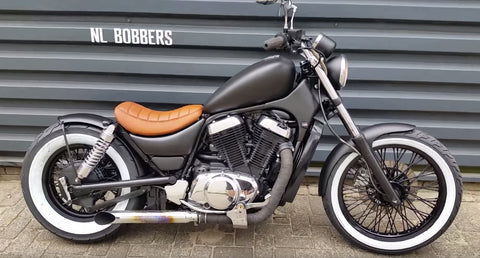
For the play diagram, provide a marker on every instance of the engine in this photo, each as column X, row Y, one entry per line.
column 228, row 136
column 222, row 190
column 248, row 149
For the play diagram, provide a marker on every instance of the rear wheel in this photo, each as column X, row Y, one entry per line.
column 424, row 175
column 43, row 167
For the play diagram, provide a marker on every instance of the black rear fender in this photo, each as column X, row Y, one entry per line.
column 371, row 133
column 88, row 119
column 100, row 123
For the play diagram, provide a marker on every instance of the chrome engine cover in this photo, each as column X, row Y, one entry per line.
column 222, row 190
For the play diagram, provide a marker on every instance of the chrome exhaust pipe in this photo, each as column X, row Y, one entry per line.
column 164, row 217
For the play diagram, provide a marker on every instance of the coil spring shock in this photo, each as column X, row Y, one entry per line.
column 96, row 153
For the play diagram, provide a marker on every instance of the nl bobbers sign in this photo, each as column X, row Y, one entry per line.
column 131, row 36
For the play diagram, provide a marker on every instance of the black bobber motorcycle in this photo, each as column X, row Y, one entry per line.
column 389, row 188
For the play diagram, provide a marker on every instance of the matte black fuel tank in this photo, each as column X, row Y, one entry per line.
column 270, row 79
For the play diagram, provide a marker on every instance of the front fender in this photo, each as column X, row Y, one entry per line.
column 371, row 133
column 84, row 118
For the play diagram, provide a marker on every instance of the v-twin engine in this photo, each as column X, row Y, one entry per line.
column 248, row 151
column 229, row 137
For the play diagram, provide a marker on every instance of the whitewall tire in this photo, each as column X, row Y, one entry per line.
column 33, row 184
column 451, row 185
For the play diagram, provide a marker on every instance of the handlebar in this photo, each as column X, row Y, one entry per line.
column 265, row 2
column 275, row 43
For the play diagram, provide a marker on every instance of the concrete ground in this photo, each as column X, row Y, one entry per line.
column 300, row 229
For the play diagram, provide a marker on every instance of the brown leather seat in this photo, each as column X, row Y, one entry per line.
column 140, row 120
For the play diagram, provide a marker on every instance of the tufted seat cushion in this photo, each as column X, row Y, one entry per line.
column 143, row 121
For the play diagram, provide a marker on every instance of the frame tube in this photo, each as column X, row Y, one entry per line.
column 126, row 183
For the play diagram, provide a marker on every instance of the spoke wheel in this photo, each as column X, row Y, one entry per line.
column 105, row 171
column 43, row 165
column 421, row 171
column 416, row 180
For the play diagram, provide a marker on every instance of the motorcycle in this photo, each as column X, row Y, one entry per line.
column 389, row 188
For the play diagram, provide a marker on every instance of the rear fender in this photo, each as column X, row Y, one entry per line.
column 84, row 118
column 371, row 134
column 101, row 122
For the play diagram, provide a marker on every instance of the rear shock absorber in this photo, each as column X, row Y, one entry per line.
column 96, row 153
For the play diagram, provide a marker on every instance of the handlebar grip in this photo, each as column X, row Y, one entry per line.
column 277, row 42
column 266, row 2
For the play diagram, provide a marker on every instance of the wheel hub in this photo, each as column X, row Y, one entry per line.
column 400, row 183
column 73, row 202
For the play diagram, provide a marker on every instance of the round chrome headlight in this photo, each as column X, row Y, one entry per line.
column 338, row 71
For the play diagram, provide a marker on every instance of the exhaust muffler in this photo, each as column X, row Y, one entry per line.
column 166, row 217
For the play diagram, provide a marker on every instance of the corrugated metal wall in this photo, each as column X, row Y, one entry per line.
column 411, row 61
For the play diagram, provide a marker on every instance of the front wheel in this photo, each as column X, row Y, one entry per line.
column 43, row 167
column 422, row 172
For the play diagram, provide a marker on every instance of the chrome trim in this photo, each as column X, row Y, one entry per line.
column 63, row 184
column 107, row 134
column 343, row 72
column 273, row 126
column 257, row 204
column 162, row 217
column 238, row 216
column 332, row 93
column 96, row 153
column 195, row 208
column 222, row 190
column 317, row 40
column 294, row 11
column 224, row 124
column 175, row 193
column 248, row 206
column 343, row 113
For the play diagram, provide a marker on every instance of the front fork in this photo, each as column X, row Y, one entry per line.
column 357, row 137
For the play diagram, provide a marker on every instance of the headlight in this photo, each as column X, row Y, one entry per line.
column 338, row 71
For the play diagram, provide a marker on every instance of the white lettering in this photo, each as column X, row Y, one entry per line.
column 135, row 36
column 127, row 36
column 159, row 37
column 143, row 37
column 96, row 35
column 150, row 37
column 117, row 36
column 168, row 38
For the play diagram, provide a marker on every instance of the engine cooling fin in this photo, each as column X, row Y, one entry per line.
column 228, row 136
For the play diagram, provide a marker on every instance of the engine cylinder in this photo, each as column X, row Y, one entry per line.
column 228, row 136
column 267, row 136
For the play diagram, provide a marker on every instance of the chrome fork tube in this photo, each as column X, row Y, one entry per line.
column 358, row 138
column 342, row 111
column 332, row 93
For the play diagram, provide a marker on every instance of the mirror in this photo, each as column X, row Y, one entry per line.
column 288, row 8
